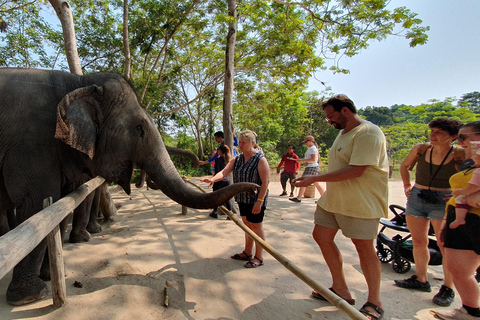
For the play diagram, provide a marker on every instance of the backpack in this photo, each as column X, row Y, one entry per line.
column 458, row 155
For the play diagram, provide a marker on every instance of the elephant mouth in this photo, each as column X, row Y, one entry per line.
column 124, row 178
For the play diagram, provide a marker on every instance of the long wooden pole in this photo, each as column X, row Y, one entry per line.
column 19, row 242
column 335, row 300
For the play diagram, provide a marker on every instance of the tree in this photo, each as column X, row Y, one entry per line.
column 64, row 13
column 279, row 45
column 470, row 100
column 381, row 116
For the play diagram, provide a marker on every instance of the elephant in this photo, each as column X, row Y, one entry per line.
column 81, row 228
column 56, row 129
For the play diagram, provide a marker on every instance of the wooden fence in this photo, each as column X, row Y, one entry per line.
column 19, row 242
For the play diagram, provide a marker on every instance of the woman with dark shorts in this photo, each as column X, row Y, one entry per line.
column 462, row 244
column 425, row 201
column 249, row 166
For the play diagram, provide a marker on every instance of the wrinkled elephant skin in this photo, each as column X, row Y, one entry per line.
column 57, row 128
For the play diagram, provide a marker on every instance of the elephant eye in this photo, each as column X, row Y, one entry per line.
column 140, row 129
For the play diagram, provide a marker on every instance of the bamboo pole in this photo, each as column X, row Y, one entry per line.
column 19, row 242
column 335, row 300
column 57, row 267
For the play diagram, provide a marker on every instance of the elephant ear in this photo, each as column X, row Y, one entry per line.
column 78, row 118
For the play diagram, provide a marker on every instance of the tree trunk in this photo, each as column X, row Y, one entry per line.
column 126, row 44
column 229, row 71
column 64, row 13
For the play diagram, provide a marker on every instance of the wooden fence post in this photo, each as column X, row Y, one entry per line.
column 55, row 255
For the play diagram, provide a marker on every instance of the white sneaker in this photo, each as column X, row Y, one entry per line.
column 455, row 314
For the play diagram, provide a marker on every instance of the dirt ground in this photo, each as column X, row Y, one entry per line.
column 151, row 245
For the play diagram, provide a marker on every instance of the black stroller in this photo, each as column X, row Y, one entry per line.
column 400, row 249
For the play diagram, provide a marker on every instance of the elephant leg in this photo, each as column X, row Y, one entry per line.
column 26, row 286
column 4, row 226
column 93, row 226
column 141, row 180
column 81, row 216
column 107, row 206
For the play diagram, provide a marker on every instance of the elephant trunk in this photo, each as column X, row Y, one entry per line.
column 163, row 173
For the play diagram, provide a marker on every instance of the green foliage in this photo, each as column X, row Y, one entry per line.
column 471, row 101
column 178, row 61
column 27, row 40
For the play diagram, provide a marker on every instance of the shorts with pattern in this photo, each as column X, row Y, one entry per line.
column 311, row 171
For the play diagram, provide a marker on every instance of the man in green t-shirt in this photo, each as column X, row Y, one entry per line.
column 355, row 198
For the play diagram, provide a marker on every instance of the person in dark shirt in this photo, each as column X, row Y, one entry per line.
column 223, row 159
column 290, row 170
column 219, row 138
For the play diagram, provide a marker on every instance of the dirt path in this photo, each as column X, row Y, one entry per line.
column 124, row 269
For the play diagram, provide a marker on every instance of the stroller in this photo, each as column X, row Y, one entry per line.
column 400, row 249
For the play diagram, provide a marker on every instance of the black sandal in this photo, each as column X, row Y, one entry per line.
column 375, row 315
column 237, row 256
column 251, row 264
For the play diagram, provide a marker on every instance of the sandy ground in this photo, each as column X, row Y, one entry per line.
column 125, row 269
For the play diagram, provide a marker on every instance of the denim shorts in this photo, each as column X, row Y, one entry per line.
column 417, row 207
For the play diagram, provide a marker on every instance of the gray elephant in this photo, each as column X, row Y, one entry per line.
column 85, row 221
column 56, row 128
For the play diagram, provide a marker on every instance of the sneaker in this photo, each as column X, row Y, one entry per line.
column 295, row 199
column 459, row 314
column 213, row 214
column 284, row 193
column 413, row 283
column 444, row 297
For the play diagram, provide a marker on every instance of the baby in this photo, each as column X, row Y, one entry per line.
column 462, row 208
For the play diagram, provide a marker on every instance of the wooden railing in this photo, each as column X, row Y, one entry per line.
column 19, row 242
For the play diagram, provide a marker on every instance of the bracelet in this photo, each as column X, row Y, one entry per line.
column 260, row 200
column 407, row 185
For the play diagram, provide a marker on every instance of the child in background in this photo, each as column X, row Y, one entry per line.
column 461, row 208
column 212, row 164
column 224, row 157
column 290, row 170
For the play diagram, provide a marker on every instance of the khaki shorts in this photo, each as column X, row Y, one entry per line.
column 353, row 228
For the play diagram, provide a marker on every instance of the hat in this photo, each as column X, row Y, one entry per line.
column 308, row 138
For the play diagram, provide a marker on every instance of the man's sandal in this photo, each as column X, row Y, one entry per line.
column 237, row 256
column 252, row 264
column 318, row 296
column 375, row 314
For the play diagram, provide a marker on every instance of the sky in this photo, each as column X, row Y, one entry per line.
column 390, row 72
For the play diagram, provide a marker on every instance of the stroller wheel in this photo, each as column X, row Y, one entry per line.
column 401, row 265
column 385, row 255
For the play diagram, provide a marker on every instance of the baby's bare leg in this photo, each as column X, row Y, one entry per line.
column 460, row 214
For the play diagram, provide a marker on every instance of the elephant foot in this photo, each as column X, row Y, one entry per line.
column 26, row 291
column 79, row 236
column 45, row 272
column 94, row 227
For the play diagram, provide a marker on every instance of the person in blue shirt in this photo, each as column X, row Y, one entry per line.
column 219, row 138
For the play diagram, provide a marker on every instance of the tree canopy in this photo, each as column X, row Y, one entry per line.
column 176, row 55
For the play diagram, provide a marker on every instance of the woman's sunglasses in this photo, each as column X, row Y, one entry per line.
column 463, row 136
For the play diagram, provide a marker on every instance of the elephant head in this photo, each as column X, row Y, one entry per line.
column 104, row 121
